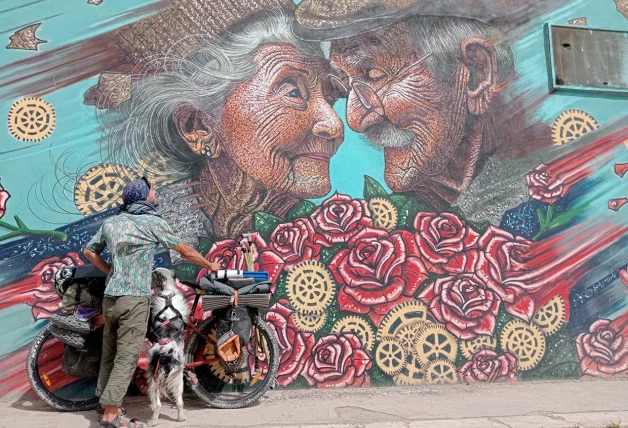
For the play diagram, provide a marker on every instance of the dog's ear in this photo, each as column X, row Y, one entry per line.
column 157, row 279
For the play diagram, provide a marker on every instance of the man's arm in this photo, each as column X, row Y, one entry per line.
column 193, row 256
column 97, row 260
column 94, row 249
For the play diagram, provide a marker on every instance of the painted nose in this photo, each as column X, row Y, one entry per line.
column 328, row 125
column 364, row 107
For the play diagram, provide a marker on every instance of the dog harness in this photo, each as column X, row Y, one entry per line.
column 164, row 330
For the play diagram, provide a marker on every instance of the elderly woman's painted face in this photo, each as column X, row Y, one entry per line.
column 280, row 126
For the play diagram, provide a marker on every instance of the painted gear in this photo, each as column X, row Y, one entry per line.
column 441, row 372
column 233, row 372
column 100, row 188
column 310, row 322
column 384, row 213
column 358, row 326
column 390, row 356
column 470, row 347
column 310, row 287
column 31, row 119
column 551, row 316
column 407, row 335
column 401, row 316
column 525, row 341
column 411, row 374
column 435, row 342
column 572, row 124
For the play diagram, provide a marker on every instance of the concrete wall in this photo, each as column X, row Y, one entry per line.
column 430, row 214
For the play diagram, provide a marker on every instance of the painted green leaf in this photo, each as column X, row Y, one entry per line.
column 563, row 219
column 328, row 253
column 333, row 315
column 408, row 206
column 560, row 360
column 479, row 226
column 204, row 245
column 280, row 287
column 186, row 271
column 541, row 216
column 406, row 214
column 303, row 209
column 398, row 199
column 372, row 189
column 379, row 378
column 266, row 223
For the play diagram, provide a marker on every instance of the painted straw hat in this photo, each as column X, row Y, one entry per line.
column 333, row 19
column 180, row 28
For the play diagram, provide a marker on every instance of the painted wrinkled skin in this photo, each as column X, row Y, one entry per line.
column 274, row 138
column 427, row 126
column 284, row 115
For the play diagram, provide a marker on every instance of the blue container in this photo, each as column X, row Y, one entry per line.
column 257, row 276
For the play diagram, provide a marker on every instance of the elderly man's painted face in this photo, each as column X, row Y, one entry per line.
column 396, row 100
column 280, row 126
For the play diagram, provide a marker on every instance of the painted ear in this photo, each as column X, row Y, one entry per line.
column 198, row 130
column 480, row 58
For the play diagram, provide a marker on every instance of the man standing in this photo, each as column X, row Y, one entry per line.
column 132, row 238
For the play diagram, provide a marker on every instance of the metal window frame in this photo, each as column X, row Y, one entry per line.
column 551, row 63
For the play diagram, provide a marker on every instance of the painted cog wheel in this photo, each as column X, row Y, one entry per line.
column 384, row 213
column 470, row 347
column 411, row 374
column 435, row 342
column 400, row 316
column 441, row 372
column 310, row 322
column 31, row 119
column 407, row 335
column 233, row 372
column 572, row 124
column 551, row 316
column 358, row 326
column 100, row 188
column 525, row 341
column 390, row 356
column 310, row 287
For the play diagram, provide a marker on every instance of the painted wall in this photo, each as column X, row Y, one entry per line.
column 425, row 207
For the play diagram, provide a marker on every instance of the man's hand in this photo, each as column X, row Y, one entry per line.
column 193, row 256
column 214, row 267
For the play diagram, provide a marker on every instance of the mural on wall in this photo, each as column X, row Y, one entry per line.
column 488, row 242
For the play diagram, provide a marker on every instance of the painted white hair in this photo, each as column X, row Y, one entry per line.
column 144, row 126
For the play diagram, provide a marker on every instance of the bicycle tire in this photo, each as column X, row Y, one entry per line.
column 265, row 384
column 38, row 385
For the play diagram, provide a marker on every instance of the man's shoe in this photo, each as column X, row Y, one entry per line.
column 70, row 322
column 68, row 337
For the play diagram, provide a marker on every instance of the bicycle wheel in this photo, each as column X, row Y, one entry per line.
column 51, row 384
column 237, row 384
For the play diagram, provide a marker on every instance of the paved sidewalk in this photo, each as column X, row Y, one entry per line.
column 521, row 405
